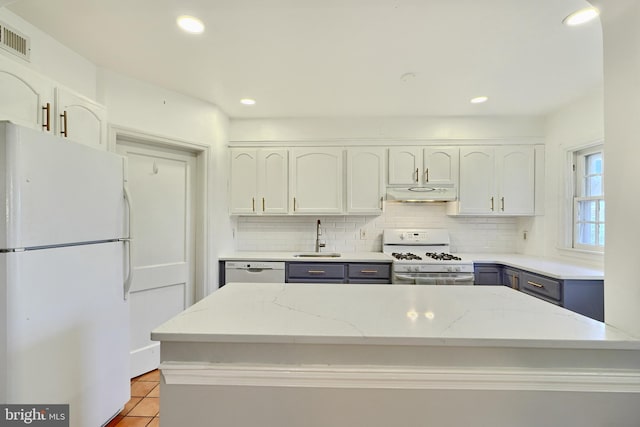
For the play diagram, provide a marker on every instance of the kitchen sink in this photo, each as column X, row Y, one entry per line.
column 318, row 255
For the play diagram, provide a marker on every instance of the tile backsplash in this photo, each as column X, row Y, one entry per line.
column 364, row 233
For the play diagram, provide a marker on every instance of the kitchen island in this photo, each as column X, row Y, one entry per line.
column 335, row 355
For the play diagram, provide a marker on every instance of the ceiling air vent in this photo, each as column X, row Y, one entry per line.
column 14, row 42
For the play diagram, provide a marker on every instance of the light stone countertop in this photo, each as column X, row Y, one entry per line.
column 546, row 266
column 290, row 256
column 387, row 315
column 563, row 270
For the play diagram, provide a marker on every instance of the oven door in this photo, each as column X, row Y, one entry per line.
column 446, row 279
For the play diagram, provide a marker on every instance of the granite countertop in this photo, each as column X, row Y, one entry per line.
column 290, row 256
column 387, row 315
column 546, row 266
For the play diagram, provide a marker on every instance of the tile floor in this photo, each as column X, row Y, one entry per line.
column 144, row 407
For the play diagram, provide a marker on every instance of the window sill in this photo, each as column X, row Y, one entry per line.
column 575, row 251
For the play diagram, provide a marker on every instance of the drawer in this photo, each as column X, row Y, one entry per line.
column 534, row 284
column 369, row 282
column 373, row 271
column 301, row 280
column 316, row 270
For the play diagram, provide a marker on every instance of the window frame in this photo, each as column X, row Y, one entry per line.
column 578, row 194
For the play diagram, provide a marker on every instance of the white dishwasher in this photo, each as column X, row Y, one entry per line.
column 254, row 272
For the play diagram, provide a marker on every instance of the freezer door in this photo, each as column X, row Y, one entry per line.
column 57, row 191
column 65, row 330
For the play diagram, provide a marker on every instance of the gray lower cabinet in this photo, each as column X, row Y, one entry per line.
column 331, row 272
column 581, row 296
column 487, row 274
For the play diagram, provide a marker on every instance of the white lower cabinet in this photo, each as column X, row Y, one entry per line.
column 316, row 181
column 496, row 180
column 258, row 184
column 365, row 180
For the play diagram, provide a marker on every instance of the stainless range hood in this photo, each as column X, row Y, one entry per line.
column 424, row 194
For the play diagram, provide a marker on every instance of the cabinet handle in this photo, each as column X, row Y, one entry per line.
column 263, row 204
column 65, row 130
column 47, row 117
column 417, row 175
column 492, row 204
column 368, row 271
column 253, row 204
column 426, row 175
column 315, row 271
column 294, row 204
column 537, row 285
column 502, row 204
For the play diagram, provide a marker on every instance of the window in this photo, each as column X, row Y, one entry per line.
column 588, row 199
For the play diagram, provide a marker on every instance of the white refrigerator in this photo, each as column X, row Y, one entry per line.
column 63, row 265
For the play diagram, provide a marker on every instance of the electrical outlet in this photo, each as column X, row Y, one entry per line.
column 363, row 234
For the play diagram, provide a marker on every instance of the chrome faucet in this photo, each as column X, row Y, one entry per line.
column 319, row 243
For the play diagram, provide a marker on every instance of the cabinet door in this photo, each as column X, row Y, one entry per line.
column 404, row 165
column 272, row 182
column 80, row 119
column 511, row 278
column 515, row 184
column 477, row 181
column 315, row 181
column 243, row 181
column 441, row 165
column 365, row 180
column 25, row 96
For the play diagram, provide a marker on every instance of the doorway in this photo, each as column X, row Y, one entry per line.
column 165, row 182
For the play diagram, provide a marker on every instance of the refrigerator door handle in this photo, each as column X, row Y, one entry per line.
column 127, row 241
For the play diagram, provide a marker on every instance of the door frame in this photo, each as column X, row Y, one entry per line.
column 201, row 225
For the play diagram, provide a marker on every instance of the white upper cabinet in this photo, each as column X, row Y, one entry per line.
column 418, row 165
column 496, row 181
column 441, row 165
column 404, row 165
column 27, row 98
column 272, row 181
column 243, row 183
column 315, row 181
column 258, row 183
column 516, row 180
column 80, row 119
column 31, row 100
column 365, row 180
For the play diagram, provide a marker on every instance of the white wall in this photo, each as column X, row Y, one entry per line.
column 572, row 126
column 52, row 59
column 621, row 29
column 395, row 129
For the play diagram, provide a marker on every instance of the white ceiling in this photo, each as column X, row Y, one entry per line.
column 327, row 58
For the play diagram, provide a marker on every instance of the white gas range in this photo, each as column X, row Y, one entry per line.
column 421, row 257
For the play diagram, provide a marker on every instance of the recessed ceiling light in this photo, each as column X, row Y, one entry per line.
column 190, row 24
column 581, row 16
column 479, row 99
column 248, row 101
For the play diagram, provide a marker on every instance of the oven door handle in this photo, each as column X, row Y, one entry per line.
column 464, row 278
column 405, row 278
